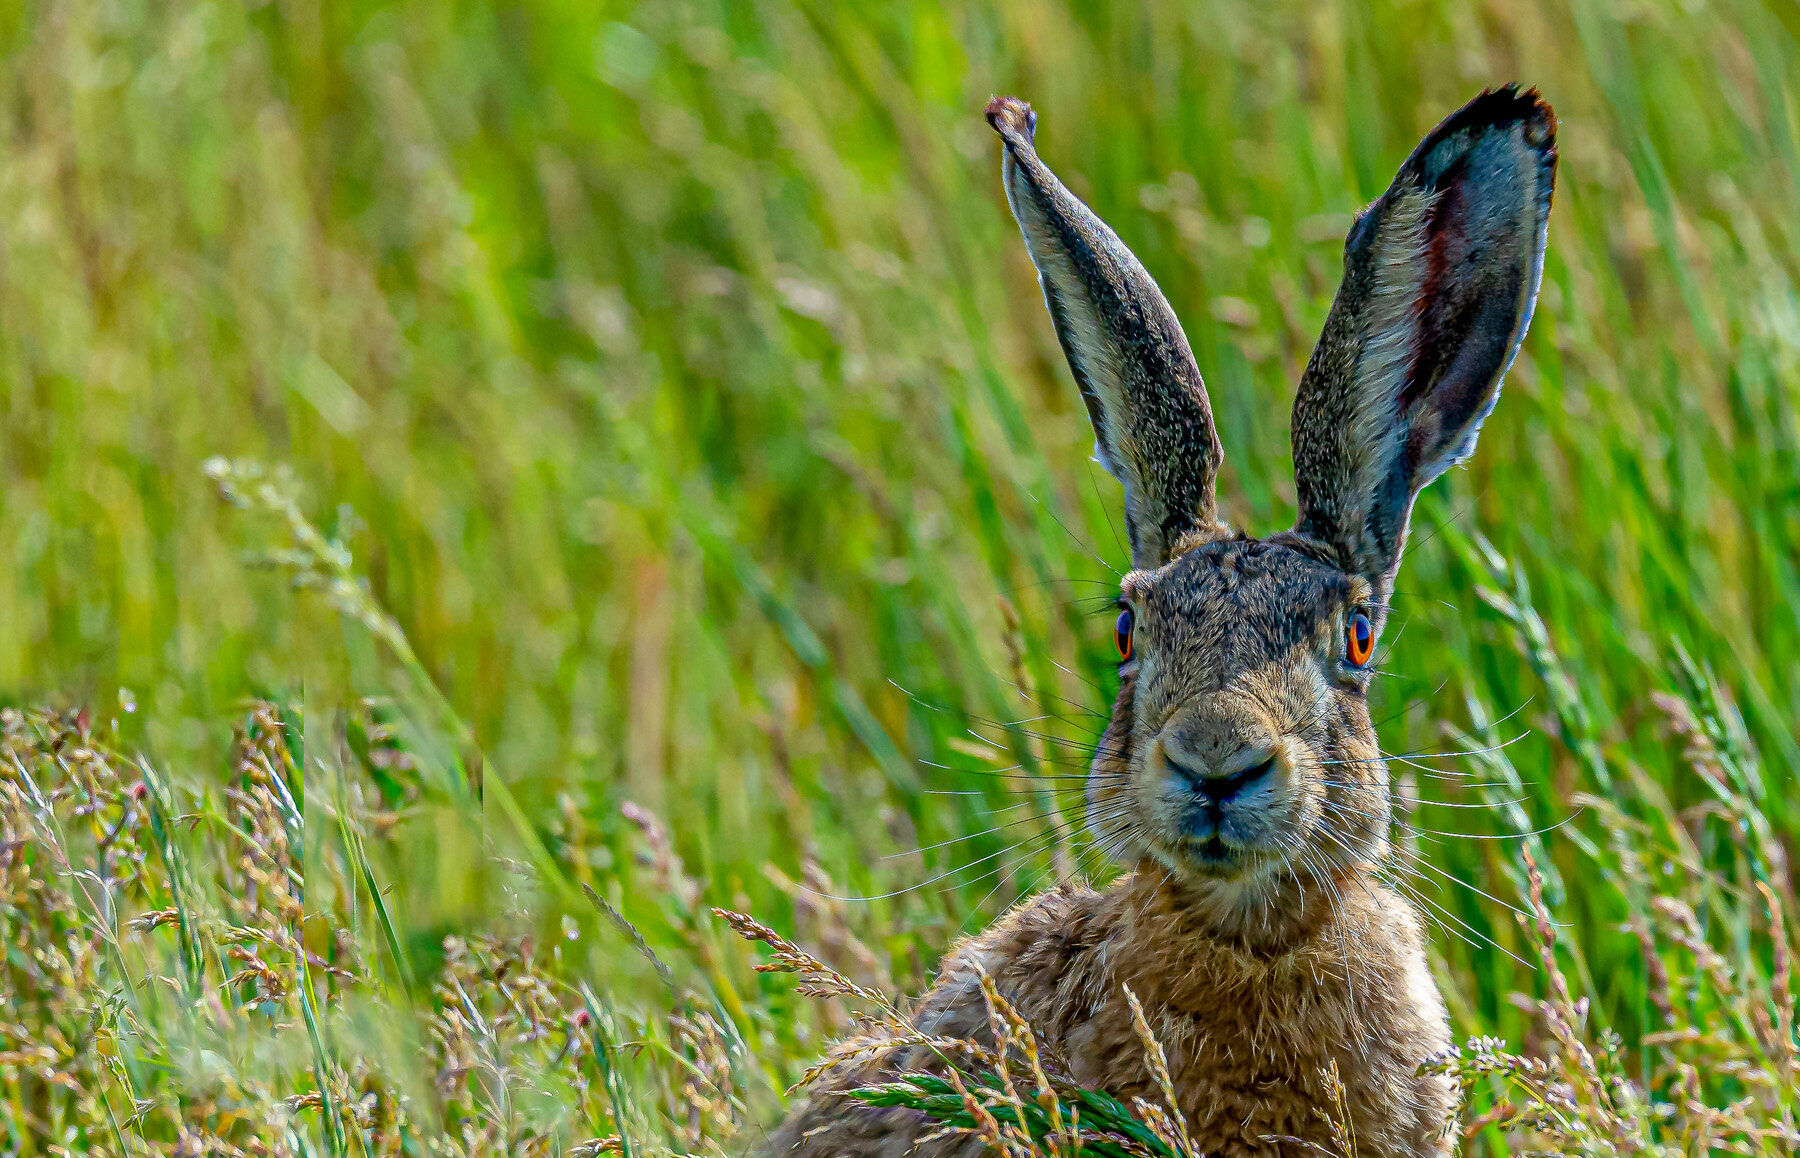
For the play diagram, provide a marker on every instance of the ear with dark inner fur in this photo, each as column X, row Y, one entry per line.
column 1153, row 426
column 1440, row 277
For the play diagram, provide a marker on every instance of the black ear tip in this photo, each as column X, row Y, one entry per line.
column 1013, row 119
column 1502, row 108
column 1505, row 111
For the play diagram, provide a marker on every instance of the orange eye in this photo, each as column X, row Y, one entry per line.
column 1122, row 633
column 1359, row 640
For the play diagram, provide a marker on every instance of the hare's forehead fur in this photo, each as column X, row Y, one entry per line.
column 1230, row 608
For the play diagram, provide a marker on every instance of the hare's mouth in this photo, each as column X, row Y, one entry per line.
column 1218, row 814
column 1212, row 857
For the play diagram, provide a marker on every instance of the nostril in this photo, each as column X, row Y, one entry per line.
column 1187, row 772
column 1219, row 789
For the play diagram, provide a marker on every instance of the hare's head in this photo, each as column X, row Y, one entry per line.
column 1241, row 756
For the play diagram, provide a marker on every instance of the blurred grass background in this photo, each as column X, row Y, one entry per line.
column 675, row 374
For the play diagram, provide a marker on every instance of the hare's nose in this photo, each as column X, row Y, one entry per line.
column 1243, row 771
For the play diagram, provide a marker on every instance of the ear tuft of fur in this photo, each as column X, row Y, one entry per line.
column 1013, row 119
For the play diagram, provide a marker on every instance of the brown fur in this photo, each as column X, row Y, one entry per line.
column 1248, row 1033
column 1240, row 775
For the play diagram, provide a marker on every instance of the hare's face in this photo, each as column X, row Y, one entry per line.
column 1240, row 754
column 1241, row 749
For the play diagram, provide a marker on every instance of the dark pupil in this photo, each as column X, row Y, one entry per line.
column 1362, row 633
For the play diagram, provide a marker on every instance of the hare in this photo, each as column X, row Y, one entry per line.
column 1239, row 776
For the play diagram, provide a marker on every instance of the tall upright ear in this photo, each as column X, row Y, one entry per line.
column 1440, row 277
column 1153, row 426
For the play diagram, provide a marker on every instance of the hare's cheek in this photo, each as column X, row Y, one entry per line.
column 1362, row 769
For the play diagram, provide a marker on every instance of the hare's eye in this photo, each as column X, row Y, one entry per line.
column 1359, row 640
column 1122, row 633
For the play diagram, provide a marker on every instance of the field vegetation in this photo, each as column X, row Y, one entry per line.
column 491, row 491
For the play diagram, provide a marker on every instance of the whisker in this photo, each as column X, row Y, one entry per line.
column 1482, row 805
column 1037, row 842
column 1041, row 583
column 1078, row 540
column 1094, row 484
column 1470, row 934
column 1429, row 599
column 1033, row 733
column 1455, row 516
column 1334, row 901
column 1017, row 777
column 968, row 836
column 1388, row 648
column 1026, row 850
column 1077, row 675
column 945, row 875
column 1511, row 714
column 1449, row 876
column 1009, row 725
column 1031, row 697
column 1419, row 897
column 1436, row 833
column 1023, row 774
column 1411, row 756
column 1411, row 704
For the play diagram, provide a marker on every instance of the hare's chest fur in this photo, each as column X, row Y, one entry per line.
column 1248, row 1037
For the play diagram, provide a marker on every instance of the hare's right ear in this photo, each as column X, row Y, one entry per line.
column 1153, row 427
column 1440, row 276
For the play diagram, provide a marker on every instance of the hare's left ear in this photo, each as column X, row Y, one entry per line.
column 1440, row 276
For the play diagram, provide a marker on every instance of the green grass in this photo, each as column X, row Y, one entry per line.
column 674, row 379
